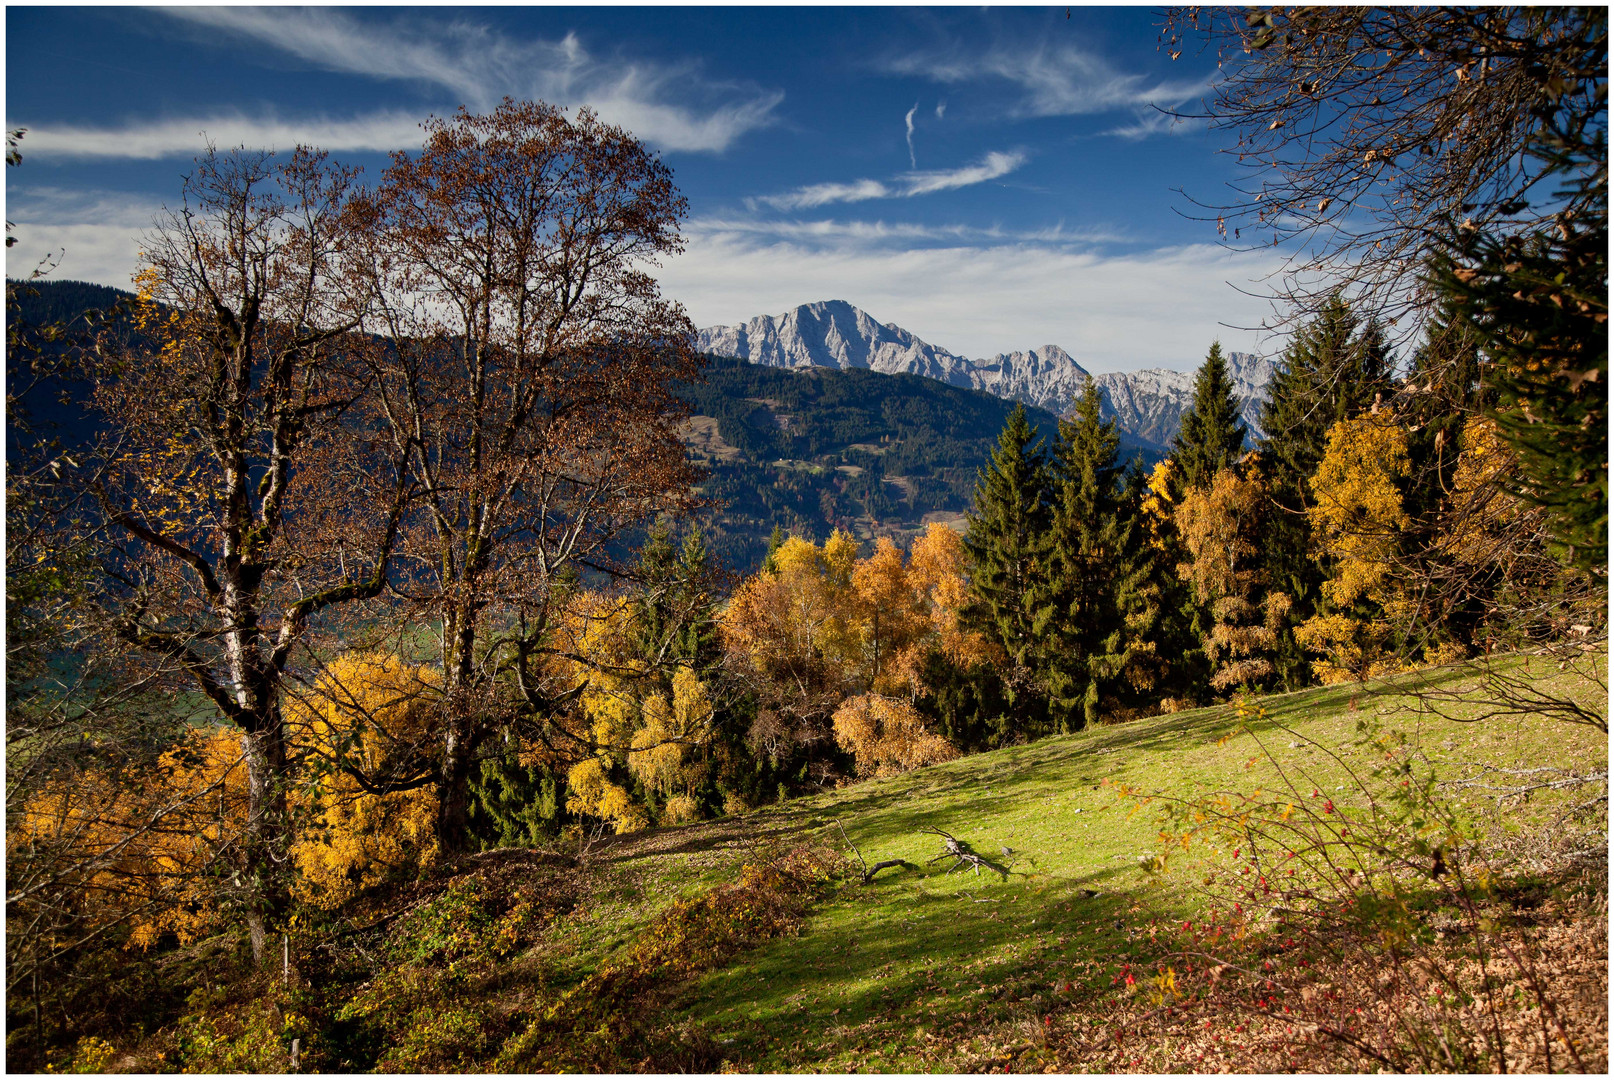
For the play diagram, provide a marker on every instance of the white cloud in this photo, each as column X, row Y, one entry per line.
column 974, row 291
column 1054, row 80
column 907, row 121
column 1150, row 122
column 670, row 105
column 991, row 167
column 813, row 195
column 90, row 235
column 907, row 185
column 903, row 232
column 1158, row 308
column 184, row 137
column 941, row 109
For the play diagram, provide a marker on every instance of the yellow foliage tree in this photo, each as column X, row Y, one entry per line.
column 142, row 848
column 590, row 791
column 373, row 721
column 887, row 736
column 1357, row 523
column 1218, row 527
column 1156, row 505
column 657, row 728
column 662, row 753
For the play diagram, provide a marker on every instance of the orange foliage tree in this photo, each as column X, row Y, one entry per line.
column 823, row 625
column 887, row 736
column 1218, row 525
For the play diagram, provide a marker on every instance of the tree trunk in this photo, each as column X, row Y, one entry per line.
column 262, row 884
column 454, row 792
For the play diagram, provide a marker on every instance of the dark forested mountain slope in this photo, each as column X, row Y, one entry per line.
column 815, row 448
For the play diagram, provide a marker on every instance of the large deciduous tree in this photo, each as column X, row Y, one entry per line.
column 238, row 497
column 531, row 385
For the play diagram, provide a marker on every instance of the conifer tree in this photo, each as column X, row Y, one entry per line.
column 1539, row 305
column 1334, row 368
column 1005, row 540
column 1211, row 436
column 1079, row 623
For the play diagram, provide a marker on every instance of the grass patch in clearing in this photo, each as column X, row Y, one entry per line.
column 896, row 975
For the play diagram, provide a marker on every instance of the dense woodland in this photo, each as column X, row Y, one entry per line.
column 379, row 544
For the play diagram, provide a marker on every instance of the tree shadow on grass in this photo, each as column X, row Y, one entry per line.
column 845, row 988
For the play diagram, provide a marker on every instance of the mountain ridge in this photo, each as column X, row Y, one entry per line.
column 1147, row 404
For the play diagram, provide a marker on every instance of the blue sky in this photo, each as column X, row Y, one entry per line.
column 988, row 179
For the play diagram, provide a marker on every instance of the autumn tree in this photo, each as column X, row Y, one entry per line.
column 1363, row 131
column 795, row 629
column 889, row 618
column 887, row 736
column 237, row 496
column 1220, row 525
column 1358, row 520
column 531, row 387
column 1334, row 367
column 365, row 721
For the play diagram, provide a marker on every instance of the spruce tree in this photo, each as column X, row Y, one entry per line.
column 1439, row 394
column 1005, row 539
column 1079, row 623
column 1212, row 435
column 1539, row 305
column 1334, row 368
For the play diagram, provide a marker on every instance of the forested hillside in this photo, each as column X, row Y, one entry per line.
column 817, row 449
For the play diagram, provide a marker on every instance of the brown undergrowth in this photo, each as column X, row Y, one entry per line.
column 1337, row 1014
column 600, row 1026
column 456, row 979
column 1393, row 930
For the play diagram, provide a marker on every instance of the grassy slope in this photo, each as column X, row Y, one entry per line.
column 896, row 975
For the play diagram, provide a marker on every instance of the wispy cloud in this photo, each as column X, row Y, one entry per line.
column 1150, row 122
column 980, row 300
column 991, row 167
column 671, row 105
column 1053, row 80
column 941, row 109
column 186, row 136
column 907, row 121
column 880, row 233
column 907, row 185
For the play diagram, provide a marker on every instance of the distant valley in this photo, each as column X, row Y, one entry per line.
column 814, row 448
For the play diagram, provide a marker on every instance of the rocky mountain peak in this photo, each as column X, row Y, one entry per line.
column 836, row 334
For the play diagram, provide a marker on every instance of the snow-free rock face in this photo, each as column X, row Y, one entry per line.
column 1150, row 403
column 833, row 333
